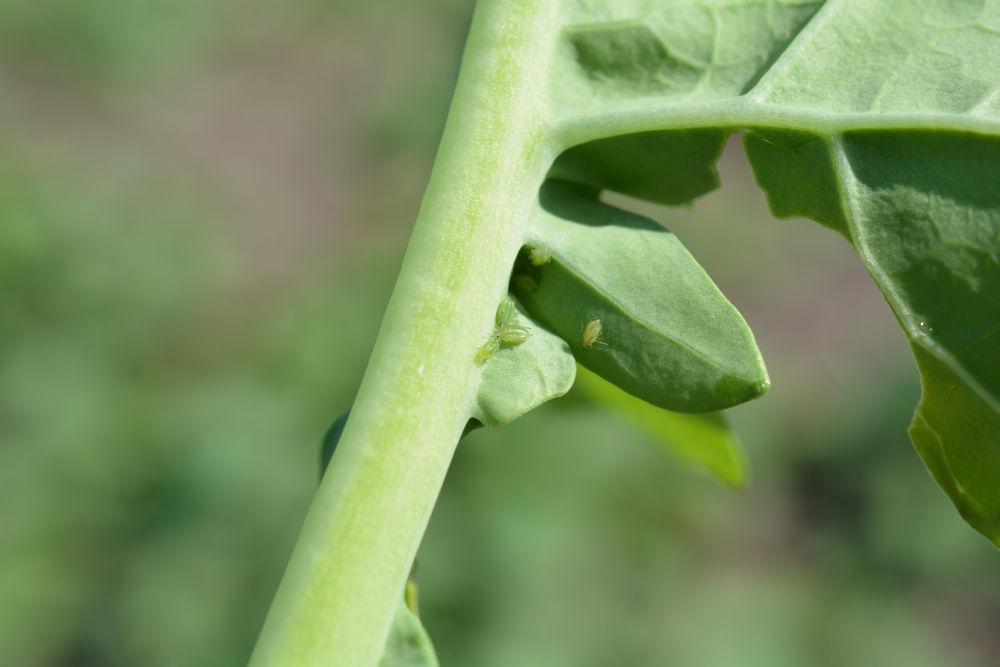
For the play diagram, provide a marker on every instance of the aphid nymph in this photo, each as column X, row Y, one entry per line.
column 491, row 347
column 506, row 312
column 592, row 332
column 539, row 255
column 507, row 332
column 524, row 282
column 513, row 334
column 507, row 328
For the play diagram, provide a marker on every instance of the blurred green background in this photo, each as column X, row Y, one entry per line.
column 203, row 206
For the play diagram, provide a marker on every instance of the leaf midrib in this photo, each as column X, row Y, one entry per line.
column 745, row 113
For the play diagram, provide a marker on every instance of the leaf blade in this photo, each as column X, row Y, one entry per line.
column 516, row 380
column 408, row 644
column 667, row 334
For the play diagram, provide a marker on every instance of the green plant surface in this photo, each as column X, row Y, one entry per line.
column 341, row 589
column 667, row 334
column 878, row 123
column 878, row 120
column 519, row 379
column 408, row 644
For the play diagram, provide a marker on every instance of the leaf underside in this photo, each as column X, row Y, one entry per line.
column 408, row 644
column 518, row 379
column 879, row 120
column 666, row 335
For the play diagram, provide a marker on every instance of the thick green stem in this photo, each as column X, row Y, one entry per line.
column 347, row 573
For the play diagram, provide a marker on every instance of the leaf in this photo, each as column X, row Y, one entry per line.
column 683, row 50
column 704, row 440
column 878, row 120
column 923, row 209
column 665, row 167
column 666, row 333
column 950, row 412
column 518, row 379
column 408, row 644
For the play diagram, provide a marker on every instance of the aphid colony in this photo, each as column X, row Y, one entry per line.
column 506, row 331
column 526, row 276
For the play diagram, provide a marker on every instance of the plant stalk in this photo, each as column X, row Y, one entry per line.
column 348, row 570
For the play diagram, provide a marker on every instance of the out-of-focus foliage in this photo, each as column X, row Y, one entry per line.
column 121, row 489
column 107, row 38
column 704, row 441
column 161, row 411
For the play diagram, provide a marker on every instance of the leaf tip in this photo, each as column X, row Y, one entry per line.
column 733, row 389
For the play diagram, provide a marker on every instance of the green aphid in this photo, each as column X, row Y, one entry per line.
column 513, row 335
column 506, row 312
column 506, row 331
column 491, row 347
column 592, row 333
column 539, row 255
column 524, row 282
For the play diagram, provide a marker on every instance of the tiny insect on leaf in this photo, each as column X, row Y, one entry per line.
column 513, row 335
column 491, row 347
column 540, row 255
column 592, row 332
column 524, row 282
column 506, row 312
